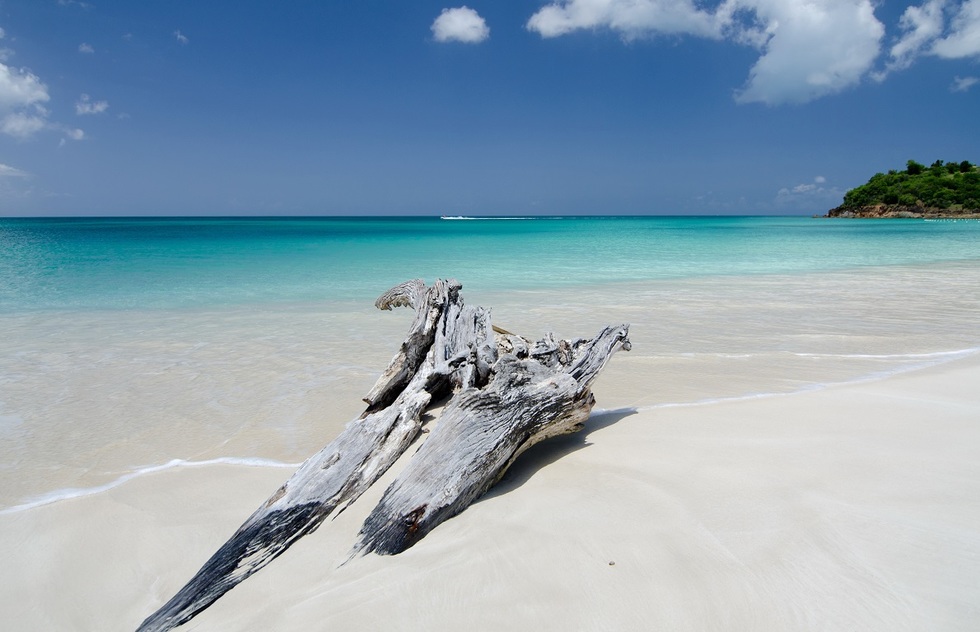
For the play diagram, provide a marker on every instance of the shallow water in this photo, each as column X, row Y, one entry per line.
column 80, row 264
column 103, row 375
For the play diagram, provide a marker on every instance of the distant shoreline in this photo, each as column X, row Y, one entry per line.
column 888, row 211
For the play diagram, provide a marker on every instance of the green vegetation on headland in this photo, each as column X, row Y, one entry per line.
column 945, row 189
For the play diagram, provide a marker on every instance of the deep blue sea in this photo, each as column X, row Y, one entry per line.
column 130, row 345
column 67, row 264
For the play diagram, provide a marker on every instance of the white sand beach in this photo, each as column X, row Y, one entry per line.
column 854, row 507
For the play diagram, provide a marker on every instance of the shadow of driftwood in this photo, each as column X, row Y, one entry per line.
column 549, row 451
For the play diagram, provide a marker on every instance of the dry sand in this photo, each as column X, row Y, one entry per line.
column 856, row 507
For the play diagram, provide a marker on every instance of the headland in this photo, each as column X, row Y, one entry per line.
column 944, row 190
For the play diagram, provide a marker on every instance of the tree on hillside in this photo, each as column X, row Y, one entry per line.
column 942, row 185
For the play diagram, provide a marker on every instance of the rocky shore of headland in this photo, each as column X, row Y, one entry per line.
column 897, row 210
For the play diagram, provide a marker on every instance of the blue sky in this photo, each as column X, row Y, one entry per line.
column 182, row 107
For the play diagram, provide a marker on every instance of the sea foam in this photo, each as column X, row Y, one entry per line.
column 72, row 493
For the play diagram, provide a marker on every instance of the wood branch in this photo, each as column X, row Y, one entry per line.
column 482, row 431
column 509, row 393
column 338, row 474
column 429, row 306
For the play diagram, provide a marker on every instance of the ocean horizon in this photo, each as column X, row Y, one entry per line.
column 173, row 262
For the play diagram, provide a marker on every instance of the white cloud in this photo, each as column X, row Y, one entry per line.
column 809, row 196
column 945, row 29
column 6, row 171
column 963, row 39
column 814, row 187
column 74, row 133
column 922, row 25
column 85, row 105
column 20, row 88
column 630, row 18
column 460, row 25
column 21, row 125
column 181, row 37
column 85, row 48
column 809, row 48
column 815, row 49
column 21, row 96
column 962, row 84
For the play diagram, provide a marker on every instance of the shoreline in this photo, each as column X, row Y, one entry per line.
column 898, row 211
column 929, row 360
column 71, row 493
column 847, row 507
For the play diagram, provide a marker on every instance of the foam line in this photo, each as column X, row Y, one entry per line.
column 928, row 360
column 938, row 355
column 78, row 492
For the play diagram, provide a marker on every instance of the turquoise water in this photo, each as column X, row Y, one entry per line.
column 128, row 345
column 66, row 264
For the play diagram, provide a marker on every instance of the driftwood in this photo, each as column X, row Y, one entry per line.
column 507, row 393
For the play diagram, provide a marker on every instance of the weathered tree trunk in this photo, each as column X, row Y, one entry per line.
column 509, row 394
column 481, row 432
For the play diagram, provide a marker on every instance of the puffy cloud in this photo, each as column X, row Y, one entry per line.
column 181, row 37
column 809, row 48
column 814, row 48
column 962, row 84
column 941, row 28
column 21, row 97
column 85, row 48
column 85, row 105
column 922, row 25
column 460, row 25
column 20, row 88
column 630, row 18
column 963, row 39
